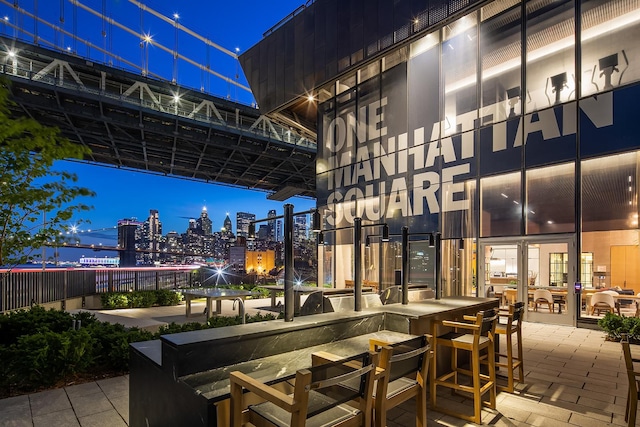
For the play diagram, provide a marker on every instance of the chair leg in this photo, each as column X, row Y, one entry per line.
column 477, row 396
column 520, row 355
column 432, row 373
column 626, row 409
column 509, row 363
column 633, row 406
column 492, row 378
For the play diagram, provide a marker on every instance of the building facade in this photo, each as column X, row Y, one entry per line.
column 505, row 129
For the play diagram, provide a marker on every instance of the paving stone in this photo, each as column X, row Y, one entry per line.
column 117, row 386
column 102, row 419
column 90, row 404
column 49, row 401
column 63, row 418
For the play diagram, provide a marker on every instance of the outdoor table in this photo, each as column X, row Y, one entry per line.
column 211, row 294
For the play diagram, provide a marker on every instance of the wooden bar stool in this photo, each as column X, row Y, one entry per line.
column 634, row 382
column 513, row 326
column 406, row 366
column 481, row 337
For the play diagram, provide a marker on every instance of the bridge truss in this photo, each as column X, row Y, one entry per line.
column 136, row 122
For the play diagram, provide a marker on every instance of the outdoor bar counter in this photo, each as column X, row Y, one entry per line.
column 183, row 379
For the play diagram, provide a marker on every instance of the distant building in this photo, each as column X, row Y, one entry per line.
column 271, row 226
column 204, row 223
column 260, row 262
column 150, row 237
column 242, row 223
column 237, row 259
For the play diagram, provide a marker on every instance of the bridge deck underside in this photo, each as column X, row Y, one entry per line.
column 122, row 135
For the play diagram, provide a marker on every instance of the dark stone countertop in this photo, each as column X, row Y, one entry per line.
column 214, row 384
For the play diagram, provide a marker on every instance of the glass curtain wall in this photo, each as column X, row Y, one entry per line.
column 610, row 238
column 452, row 152
column 610, row 31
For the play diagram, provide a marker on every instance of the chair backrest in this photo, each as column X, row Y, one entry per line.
column 628, row 361
column 543, row 294
column 516, row 311
column 613, row 293
column 341, row 381
column 602, row 298
column 407, row 357
column 488, row 320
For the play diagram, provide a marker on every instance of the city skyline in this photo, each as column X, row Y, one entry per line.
column 175, row 212
column 122, row 193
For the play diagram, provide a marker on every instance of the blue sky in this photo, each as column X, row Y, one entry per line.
column 232, row 25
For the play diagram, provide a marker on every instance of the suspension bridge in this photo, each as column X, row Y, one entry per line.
column 135, row 116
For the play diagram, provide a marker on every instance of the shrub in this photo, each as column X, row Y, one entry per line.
column 139, row 299
column 166, row 297
column 44, row 358
column 113, row 300
column 615, row 326
column 23, row 322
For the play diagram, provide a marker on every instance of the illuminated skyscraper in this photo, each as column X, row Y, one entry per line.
column 204, row 223
column 242, row 223
column 271, row 226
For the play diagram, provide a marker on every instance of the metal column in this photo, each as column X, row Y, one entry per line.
column 288, row 263
column 357, row 263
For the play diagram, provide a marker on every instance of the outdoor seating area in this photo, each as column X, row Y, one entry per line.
column 171, row 381
column 573, row 377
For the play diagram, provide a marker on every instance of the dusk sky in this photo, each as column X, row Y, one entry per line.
column 235, row 26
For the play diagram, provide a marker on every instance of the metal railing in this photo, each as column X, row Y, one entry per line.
column 24, row 288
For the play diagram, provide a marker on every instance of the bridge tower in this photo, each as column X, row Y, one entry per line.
column 127, row 242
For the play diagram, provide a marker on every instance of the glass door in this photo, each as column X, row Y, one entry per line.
column 537, row 271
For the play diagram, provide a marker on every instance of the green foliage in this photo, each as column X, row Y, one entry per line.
column 214, row 322
column 23, row 322
column 36, row 202
column 39, row 348
column 166, row 297
column 111, row 350
column 140, row 299
column 615, row 326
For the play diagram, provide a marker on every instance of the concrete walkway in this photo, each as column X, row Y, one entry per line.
column 572, row 377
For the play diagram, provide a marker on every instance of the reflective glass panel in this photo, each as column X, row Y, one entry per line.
column 550, row 199
column 610, row 193
column 500, row 50
column 501, row 205
column 459, row 59
column 610, row 31
column 550, row 53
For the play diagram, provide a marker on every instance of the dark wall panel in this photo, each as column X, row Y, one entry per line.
column 329, row 37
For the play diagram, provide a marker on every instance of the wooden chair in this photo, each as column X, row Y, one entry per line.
column 513, row 326
column 634, row 383
column 482, row 338
column 406, row 365
column 543, row 297
column 320, row 396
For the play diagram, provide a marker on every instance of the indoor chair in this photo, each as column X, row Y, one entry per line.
column 602, row 301
column 322, row 395
column 543, row 297
column 405, row 365
column 480, row 338
column 512, row 326
column 634, row 382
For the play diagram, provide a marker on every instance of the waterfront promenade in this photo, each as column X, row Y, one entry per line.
column 572, row 377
